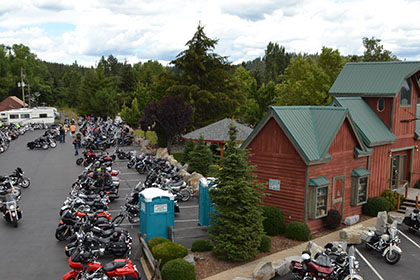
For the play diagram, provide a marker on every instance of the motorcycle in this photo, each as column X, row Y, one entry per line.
column 18, row 178
column 41, row 142
column 346, row 267
column 412, row 221
column 129, row 211
column 319, row 268
column 386, row 243
column 10, row 209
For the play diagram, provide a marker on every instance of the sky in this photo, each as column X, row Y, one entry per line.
column 66, row 31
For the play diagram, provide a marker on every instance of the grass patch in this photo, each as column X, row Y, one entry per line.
column 179, row 157
column 151, row 135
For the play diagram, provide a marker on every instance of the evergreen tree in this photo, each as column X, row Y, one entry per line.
column 188, row 147
column 131, row 115
column 374, row 51
column 237, row 228
column 200, row 158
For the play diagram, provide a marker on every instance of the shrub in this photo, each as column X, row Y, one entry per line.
column 265, row 244
column 213, row 170
column 155, row 241
column 200, row 158
column 392, row 197
column 167, row 251
column 298, row 231
column 273, row 220
column 178, row 269
column 201, row 246
column 333, row 219
column 375, row 205
column 188, row 147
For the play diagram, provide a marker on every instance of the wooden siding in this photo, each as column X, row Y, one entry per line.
column 386, row 114
column 342, row 163
column 380, row 163
column 275, row 158
column 401, row 113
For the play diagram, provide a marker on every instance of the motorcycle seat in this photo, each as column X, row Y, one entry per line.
column 113, row 265
column 378, row 232
column 176, row 184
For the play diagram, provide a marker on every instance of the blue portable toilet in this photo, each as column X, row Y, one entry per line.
column 205, row 207
column 156, row 212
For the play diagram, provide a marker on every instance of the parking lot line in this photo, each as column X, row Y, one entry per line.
column 188, row 206
column 409, row 239
column 369, row 264
column 130, row 173
column 131, row 180
column 186, row 221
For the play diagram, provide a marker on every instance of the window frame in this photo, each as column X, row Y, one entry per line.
column 43, row 116
column 355, row 190
column 410, row 84
column 377, row 106
column 14, row 116
column 313, row 202
column 25, row 116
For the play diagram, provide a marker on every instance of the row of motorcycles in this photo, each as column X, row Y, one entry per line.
column 10, row 195
column 12, row 131
column 88, row 226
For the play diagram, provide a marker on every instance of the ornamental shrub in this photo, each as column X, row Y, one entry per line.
column 178, row 269
column 201, row 246
column 374, row 205
column 333, row 219
column 200, row 158
column 298, row 231
column 155, row 241
column 265, row 244
column 167, row 251
column 273, row 220
column 392, row 197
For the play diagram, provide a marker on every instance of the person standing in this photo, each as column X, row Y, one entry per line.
column 62, row 134
column 73, row 129
column 76, row 142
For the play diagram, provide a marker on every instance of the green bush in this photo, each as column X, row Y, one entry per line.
column 265, row 244
column 333, row 219
column 167, row 251
column 298, row 231
column 375, row 205
column 178, row 156
column 155, row 241
column 392, row 197
column 178, row 269
column 213, row 170
column 201, row 246
column 273, row 220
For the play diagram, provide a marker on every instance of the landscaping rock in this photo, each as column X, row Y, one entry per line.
column 193, row 182
column 282, row 267
column 337, row 244
column 351, row 220
column 185, row 175
column 162, row 153
column 171, row 160
column 190, row 259
column 263, row 271
column 241, row 278
column 146, row 150
column 185, row 166
column 351, row 235
column 392, row 218
column 381, row 221
column 314, row 248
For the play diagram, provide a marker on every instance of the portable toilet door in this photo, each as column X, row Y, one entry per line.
column 205, row 207
column 156, row 212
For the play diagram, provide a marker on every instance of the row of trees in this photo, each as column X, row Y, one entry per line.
column 204, row 81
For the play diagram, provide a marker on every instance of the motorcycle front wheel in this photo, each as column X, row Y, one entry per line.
column 53, row 144
column 45, row 146
column 62, row 234
column 117, row 220
column 185, row 195
column 392, row 258
column 354, row 277
column 79, row 161
column 130, row 165
column 24, row 182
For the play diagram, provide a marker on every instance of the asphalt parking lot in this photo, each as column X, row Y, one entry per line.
column 374, row 267
column 31, row 250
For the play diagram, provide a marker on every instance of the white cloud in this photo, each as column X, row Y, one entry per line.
column 149, row 29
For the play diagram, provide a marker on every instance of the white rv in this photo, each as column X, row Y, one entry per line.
column 44, row 115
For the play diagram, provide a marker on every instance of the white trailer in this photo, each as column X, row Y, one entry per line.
column 44, row 115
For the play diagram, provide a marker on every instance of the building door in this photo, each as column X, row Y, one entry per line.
column 337, row 201
column 398, row 170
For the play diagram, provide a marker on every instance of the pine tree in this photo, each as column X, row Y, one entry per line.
column 237, row 227
column 189, row 146
column 200, row 158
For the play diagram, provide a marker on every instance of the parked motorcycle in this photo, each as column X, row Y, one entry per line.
column 41, row 142
column 412, row 221
column 386, row 243
column 129, row 211
column 18, row 178
column 10, row 209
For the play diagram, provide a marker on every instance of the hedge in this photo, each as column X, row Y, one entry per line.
column 201, row 246
column 155, row 241
column 265, row 245
column 167, row 251
column 392, row 197
column 178, row 269
column 298, row 231
column 273, row 220
column 375, row 205
column 333, row 219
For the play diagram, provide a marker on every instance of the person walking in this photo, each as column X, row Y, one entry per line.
column 73, row 129
column 62, row 134
column 76, row 142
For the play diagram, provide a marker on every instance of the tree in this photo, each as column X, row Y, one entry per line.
column 188, row 147
column 200, row 158
column 374, row 51
column 276, row 60
column 236, row 228
column 206, row 79
column 169, row 119
column 131, row 115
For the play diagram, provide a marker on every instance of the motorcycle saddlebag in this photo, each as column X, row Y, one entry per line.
column 367, row 235
column 408, row 221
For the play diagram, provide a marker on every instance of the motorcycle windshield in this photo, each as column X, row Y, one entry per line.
column 323, row 260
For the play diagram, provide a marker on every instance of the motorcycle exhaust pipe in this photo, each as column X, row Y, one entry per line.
column 373, row 247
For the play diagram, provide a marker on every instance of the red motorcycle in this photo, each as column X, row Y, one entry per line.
column 319, row 268
column 93, row 269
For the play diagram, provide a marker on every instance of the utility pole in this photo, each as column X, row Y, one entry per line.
column 22, row 85
column 29, row 94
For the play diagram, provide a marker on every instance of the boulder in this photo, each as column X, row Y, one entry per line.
column 351, row 235
column 282, row 267
column 190, row 259
column 184, row 175
column 194, row 180
column 172, row 160
column 314, row 248
column 162, row 153
column 146, row 150
column 263, row 271
column 185, row 166
column 381, row 221
column 351, row 220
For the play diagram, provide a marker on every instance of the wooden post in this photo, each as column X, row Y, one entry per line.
column 417, row 202
column 406, row 191
column 222, row 148
column 171, row 233
column 398, row 201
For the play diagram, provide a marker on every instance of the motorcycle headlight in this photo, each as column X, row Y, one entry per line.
column 356, row 264
column 12, row 207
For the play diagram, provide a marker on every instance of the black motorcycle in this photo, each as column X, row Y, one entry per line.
column 18, row 178
column 412, row 221
column 129, row 211
column 41, row 143
column 10, row 209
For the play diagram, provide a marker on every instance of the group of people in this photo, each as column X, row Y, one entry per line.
column 77, row 136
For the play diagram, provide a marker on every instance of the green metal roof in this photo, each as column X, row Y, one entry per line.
column 312, row 128
column 373, row 130
column 418, row 122
column 373, row 78
column 359, row 172
column 319, row 181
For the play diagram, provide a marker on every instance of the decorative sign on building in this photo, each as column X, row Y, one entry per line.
column 161, row 208
column 274, row 185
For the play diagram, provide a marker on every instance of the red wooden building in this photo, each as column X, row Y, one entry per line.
column 318, row 158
